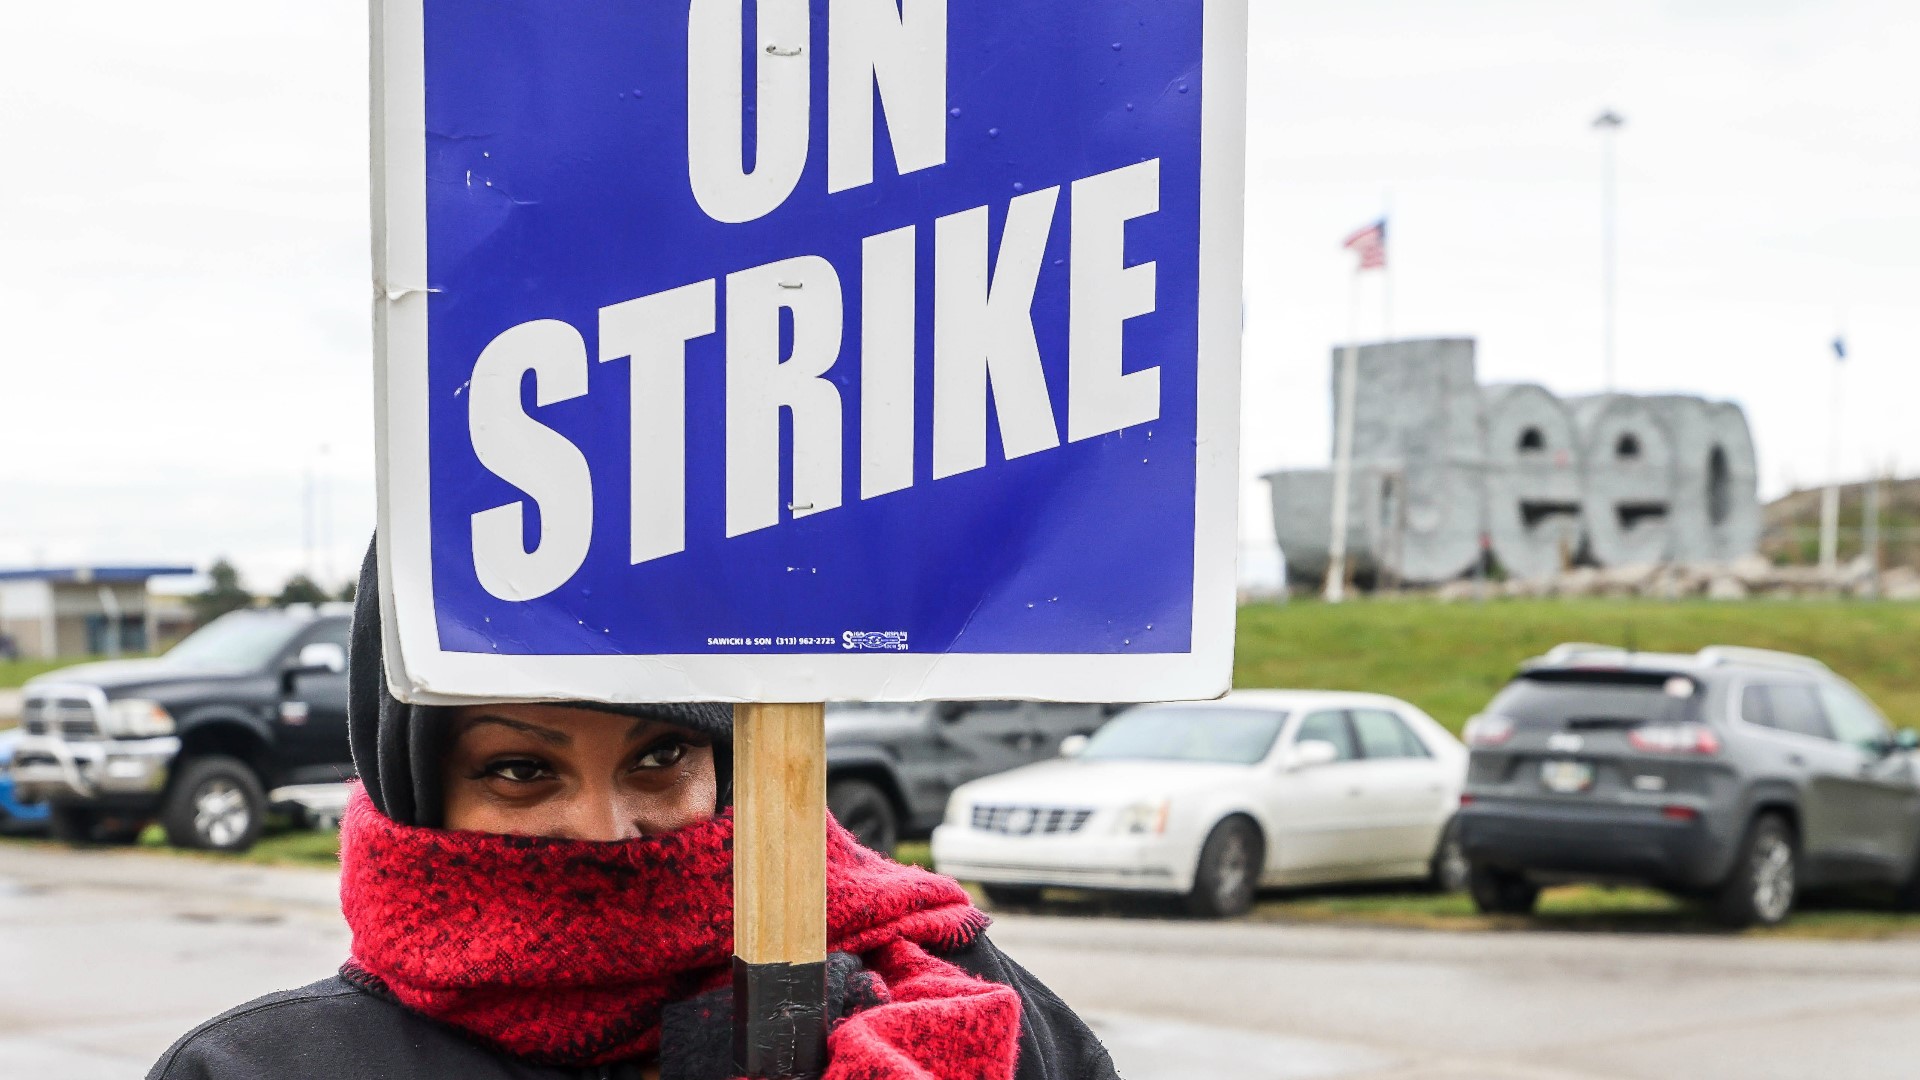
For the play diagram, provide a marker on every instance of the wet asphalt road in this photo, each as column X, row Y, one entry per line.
column 105, row 958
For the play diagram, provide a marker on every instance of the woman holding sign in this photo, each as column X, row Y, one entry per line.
column 545, row 891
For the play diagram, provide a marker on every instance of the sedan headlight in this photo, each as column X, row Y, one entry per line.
column 1144, row 818
column 958, row 811
column 136, row 718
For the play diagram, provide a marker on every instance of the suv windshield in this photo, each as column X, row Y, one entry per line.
column 1171, row 733
column 1595, row 699
column 237, row 641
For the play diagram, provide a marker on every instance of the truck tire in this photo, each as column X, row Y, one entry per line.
column 1501, row 892
column 863, row 809
column 85, row 825
column 71, row 824
column 1765, row 879
column 217, row 804
column 1229, row 873
column 1011, row 895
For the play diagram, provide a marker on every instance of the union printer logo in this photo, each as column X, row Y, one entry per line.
column 874, row 640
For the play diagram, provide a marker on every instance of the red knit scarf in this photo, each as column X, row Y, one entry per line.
column 565, row 953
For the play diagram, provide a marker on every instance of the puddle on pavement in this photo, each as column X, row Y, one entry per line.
column 230, row 918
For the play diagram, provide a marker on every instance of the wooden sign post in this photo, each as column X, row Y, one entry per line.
column 780, row 890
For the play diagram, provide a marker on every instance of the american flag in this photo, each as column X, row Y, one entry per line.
column 1370, row 244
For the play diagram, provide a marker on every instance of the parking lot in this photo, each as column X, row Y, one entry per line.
column 111, row 955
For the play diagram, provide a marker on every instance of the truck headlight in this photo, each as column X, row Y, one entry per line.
column 136, row 718
column 1144, row 818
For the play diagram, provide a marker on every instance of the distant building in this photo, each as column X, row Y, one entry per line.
column 84, row 610
column 1444, row 468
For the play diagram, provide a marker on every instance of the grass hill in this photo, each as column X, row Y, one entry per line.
column 1449, row 659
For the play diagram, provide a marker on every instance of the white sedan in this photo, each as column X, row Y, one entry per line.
column 1212, row 800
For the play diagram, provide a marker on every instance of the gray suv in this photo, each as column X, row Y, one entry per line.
column 1742, row 776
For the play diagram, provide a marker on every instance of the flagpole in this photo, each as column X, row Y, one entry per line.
column 1386, row 281
column 1336, row 586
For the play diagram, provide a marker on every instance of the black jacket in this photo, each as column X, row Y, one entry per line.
column 335, row 1030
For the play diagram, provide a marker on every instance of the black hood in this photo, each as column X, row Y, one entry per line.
column 398, row 748
column 122, row 678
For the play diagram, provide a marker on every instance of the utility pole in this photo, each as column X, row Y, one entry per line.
column 1608, row 124
column 1830, row 499
column 325, row 515
column 1870, row 535
column 307, row 522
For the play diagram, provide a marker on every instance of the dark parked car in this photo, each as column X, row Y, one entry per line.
column 1739, row 775
column 890, row 767
column 197, row 738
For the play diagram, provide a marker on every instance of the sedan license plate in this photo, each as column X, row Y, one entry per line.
column 1567, row 777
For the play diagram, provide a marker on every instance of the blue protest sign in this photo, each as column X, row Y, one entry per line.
column 794, row 351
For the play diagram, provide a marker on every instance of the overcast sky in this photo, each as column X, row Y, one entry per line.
column 183, row 245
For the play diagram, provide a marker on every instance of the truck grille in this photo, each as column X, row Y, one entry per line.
column 1030, row 820
column 70, row 718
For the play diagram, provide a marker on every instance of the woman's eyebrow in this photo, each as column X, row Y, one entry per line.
column 548, row 735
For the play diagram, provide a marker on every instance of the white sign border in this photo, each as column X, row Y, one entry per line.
column 420, row 672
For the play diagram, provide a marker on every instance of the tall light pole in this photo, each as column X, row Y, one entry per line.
column 1830, row 498
column 1608, row 124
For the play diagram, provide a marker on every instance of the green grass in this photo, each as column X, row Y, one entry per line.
column 1587, row 909
column 1449, row 659
column 1567, row 909
column 280, row 845
column 15, row 673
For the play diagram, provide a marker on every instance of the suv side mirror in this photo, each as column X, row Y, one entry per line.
column 320, row 658
column 1073, row 746
column 1312, row 754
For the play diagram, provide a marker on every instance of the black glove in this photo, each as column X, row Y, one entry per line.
column 696, row 1035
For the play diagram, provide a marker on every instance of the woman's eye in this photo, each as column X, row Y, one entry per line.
column 519, row 771
column 662, row 756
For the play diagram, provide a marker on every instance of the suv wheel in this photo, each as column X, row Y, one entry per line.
column 1766, row 877
column 216, row 804
column 1230, row 865
column 1906, row 895
column 865, row 811
column 1501, row 892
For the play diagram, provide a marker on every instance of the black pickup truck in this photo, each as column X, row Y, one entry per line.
column 253, row 703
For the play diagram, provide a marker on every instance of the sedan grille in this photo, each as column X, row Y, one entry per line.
column 71, row 718
column 1030, row 820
